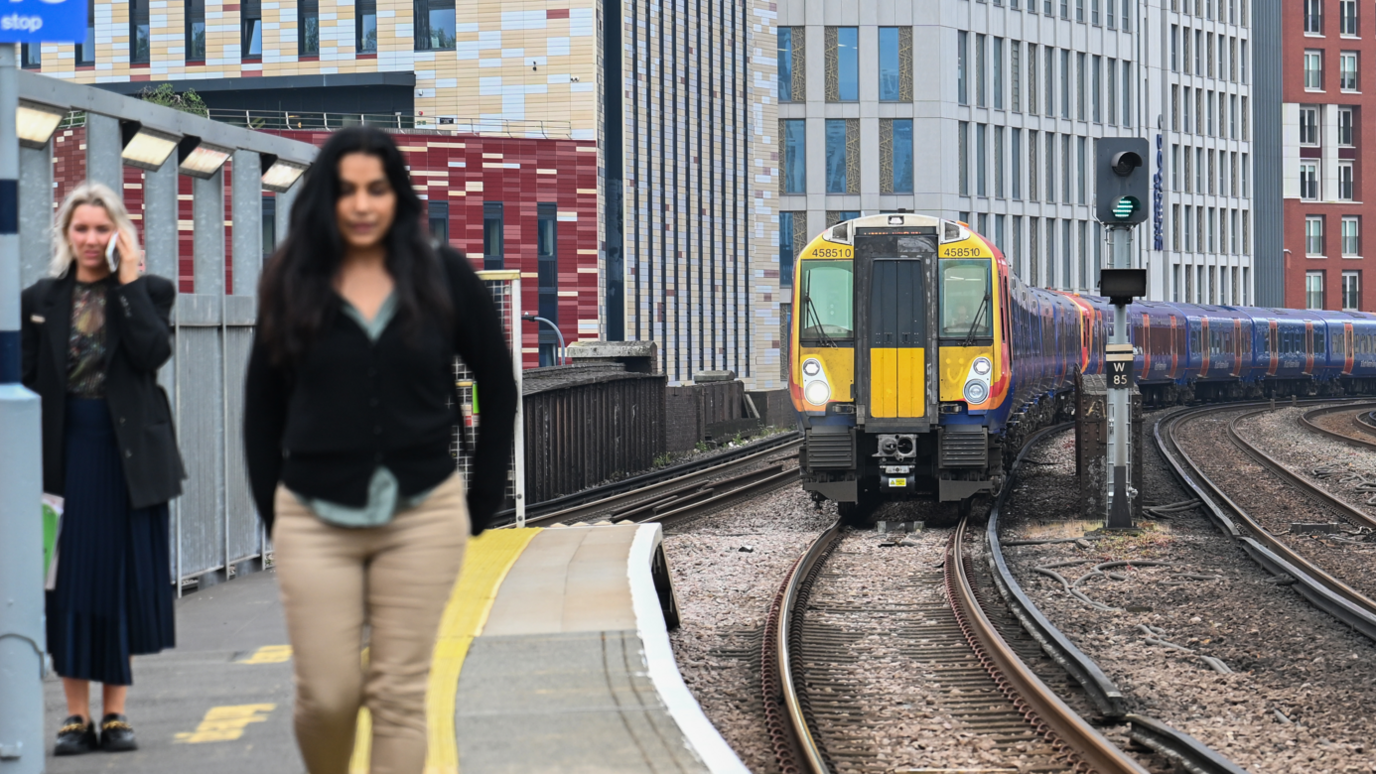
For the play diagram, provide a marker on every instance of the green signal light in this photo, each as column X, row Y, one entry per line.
column 1125, row 206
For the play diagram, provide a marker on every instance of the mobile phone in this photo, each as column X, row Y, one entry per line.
column 111, row 256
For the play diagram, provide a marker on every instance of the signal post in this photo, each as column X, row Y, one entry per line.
column 1122, row 188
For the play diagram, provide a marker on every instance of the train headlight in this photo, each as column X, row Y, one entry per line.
column 817, row 392
column 811, row 367
column 976, row 392
column 982, row 366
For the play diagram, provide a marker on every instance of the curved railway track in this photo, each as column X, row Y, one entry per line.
column 1322, row 588
column 1362, row 423
column 680, row 492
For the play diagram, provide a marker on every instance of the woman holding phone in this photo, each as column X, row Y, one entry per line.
column 94, row 334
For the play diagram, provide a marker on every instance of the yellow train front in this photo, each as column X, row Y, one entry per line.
column 899, row 361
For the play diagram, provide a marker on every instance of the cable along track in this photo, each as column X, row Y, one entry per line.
column 1313, row 581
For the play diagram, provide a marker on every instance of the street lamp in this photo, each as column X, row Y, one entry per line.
column 562, row 349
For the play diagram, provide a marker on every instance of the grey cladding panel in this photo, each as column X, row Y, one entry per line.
column 200, row 418
column 241, row 517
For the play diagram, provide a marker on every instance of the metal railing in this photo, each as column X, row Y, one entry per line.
column 281, row 120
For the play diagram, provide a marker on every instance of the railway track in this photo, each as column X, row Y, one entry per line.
column 1267, row 545
column 998, row 682
column 1361, row 425
column 681, row 492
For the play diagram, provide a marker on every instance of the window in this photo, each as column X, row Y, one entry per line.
column 981, row 187
column 1109, row 22
column 1313, row 236
column 1095, row 87
column 1185, row 45
column 1050, row 80
column 31, row 55
column 1033, row 180
column 1352, row 290
column 1345, row 126
column 1066, row 191
column 1113, row 91
column 1017, row 247
column 1246, row 189
column 842, row 155
column 963, row 157
column 251, row 29
column 1067, row 244
column 1347, row 71
column 1175, row 283
column 1032, row 79
column 1209, row 112
column 1127, row 93
column 828, row 295
column 365, row 27
column 785, row 64
column 1016, row 82
column 998, row 73
column 1352, row 246
column 1033, row 275
column 962, row 44
column 195, row 30
column 1198, row 52
column 896, row 155
column 1126, row 26
column 1345, row 192
column 139, row 32
column 1189, row 170
column 896, row 64
column 1313, row 17
column 1210, row 58
column 1199, row 170
column 86, row 50
column 998, row 162
column 843, row 63
column 435, row 28
column 1094, row 12
column 1065, row 83
column 792, row 235
column 1313, row 290
column 1189, row 229
column 1050, row 167
column 547, row 264
column 494, row 236
column 1313, row 70
column 1016, row 151
column 1175, row 48
column 439, row 220
column 1065, row 9
column 979, row 71
column 1080, row 11
column 1175, row 168
column 1246, row 62
column 794, row 170
column 1246, row 135
column 1083, row 161
column 1175, row 227
column 1080, row 87
column 308, row 29
column 965, row 311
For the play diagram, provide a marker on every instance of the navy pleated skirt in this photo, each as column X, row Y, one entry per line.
column 113, row 595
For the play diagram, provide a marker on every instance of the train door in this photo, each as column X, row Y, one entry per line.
column 1205, row 346
column 1237, row 347
column 1146, row 345
column 1273, row 346
column 1309, row 347
column 1177, row 346
column 894, row 273
column 1347, row 348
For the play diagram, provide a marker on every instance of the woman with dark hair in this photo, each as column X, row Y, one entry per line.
column 349, row 412
column 94, row 335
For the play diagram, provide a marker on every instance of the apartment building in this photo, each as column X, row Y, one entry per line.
column 1198, row 117
column 981, row 110
column 1327, row 43
column 677, row 98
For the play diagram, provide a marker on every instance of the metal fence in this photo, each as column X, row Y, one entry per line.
column 216, row 529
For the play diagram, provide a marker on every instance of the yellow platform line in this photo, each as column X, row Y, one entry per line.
column 488, row 560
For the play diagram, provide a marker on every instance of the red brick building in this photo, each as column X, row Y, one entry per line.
column 524, row 204
column 1329, row 53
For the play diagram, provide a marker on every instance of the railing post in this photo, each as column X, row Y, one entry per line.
column 104, row 143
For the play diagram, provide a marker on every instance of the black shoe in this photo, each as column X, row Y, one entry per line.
column 76, row 737
column 116, row 735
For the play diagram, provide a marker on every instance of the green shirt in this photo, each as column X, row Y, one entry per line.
column 384, row 496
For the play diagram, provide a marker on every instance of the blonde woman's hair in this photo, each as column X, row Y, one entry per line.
column 95, row 194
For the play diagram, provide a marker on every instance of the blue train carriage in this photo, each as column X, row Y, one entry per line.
column 900, row 360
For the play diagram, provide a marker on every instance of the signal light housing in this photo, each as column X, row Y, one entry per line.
column 1122, row 180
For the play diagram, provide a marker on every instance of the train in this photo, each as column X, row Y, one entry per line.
column 919, row 361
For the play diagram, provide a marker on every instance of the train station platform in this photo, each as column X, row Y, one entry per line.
column 553, row 656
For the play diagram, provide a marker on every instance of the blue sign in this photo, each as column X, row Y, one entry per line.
column 43, row 21
column 1158, row 196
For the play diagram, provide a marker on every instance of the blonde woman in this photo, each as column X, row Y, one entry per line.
column 93, row 337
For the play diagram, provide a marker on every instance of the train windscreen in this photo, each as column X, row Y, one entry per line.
column 966, row 301
column 827, row 317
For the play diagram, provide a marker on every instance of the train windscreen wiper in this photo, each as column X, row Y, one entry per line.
column 970, row 336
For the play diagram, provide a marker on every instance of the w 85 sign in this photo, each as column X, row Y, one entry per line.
column 42, row 21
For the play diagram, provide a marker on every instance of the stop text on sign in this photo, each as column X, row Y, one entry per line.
column 43, row 21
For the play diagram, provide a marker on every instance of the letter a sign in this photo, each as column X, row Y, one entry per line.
column 42, row 21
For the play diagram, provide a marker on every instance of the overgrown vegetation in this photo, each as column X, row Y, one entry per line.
column 187, row 102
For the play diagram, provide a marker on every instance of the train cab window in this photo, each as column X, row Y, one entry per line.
column 967, row 306
column 827, row 298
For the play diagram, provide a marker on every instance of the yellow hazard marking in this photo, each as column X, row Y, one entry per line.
column 225, row 724
column 488, row 559
column 269, row 654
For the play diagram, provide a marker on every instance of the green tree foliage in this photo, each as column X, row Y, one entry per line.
column 187, row 102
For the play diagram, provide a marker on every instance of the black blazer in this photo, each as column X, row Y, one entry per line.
column 323, row 425
column 138, row 340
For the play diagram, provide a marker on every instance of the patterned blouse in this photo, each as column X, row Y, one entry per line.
column 86, row 343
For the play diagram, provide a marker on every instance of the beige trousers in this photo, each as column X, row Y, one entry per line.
column 396, row 578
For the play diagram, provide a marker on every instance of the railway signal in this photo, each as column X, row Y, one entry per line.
column 1121, row 185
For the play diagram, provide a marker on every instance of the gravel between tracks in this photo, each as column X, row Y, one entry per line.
column 1341, row 469
column 1302, row 697
column 727, row 568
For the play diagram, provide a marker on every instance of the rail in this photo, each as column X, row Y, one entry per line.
column 1361, row 420
column 405, row 123
column 1321, row 589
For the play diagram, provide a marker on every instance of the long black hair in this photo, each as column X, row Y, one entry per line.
column 296, row 291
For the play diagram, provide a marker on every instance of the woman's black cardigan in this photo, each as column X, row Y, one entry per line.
column 138, row 340
column 323, row 425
